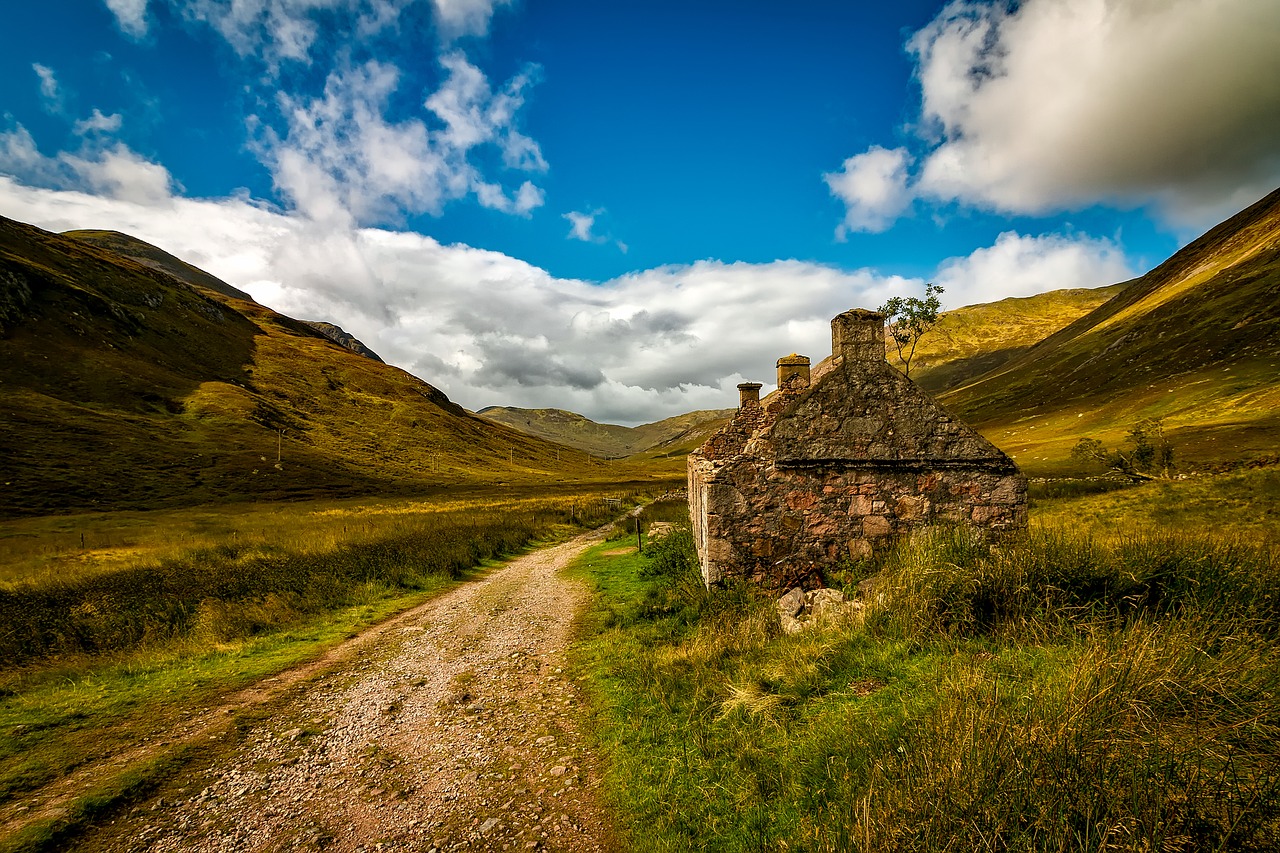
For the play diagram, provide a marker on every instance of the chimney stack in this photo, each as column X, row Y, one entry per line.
column 793, row 372
column 858, row 335
column 748, row 395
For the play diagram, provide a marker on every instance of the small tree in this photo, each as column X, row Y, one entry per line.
column 909, row 319
column 1149, row 458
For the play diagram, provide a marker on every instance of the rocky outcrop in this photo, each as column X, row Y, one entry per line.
column 342, row 338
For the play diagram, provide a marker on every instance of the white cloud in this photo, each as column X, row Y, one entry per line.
column 1020, row 265
column 98, row 123
column 465, row 17
column 580, row 225
column 490, row 329
column 115, row 171
column 873, row 187
column 131, row 16
column 473, row 114
column 270, row 31
column 1048, row 105
column 342, row 158
column 49, row 90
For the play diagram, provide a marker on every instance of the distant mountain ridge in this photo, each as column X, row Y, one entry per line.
column 971, row 341
column 607, row 440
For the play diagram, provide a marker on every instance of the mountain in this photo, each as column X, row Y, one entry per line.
column 158, row 259
column 122, row 386
column 610, row 440
column 1195, row 342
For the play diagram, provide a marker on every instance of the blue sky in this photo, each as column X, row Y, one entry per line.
column 626, row 208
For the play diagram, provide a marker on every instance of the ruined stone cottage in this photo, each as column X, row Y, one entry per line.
column 838, row 462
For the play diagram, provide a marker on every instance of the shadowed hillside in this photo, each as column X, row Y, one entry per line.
column 124, row 387
column 1196, row 342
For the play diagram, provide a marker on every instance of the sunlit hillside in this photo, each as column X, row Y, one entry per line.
column 975, row 339
column 1195, row 342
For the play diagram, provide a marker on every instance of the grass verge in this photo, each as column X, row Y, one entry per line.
column 1055, row 693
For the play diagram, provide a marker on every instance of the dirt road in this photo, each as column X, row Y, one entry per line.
column 450, row 727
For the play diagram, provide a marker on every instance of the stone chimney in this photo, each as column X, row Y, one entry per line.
column 858, row 335
column 748, row 395
column 793, row 372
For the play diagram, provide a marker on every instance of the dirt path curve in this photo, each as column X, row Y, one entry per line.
column 452, row 727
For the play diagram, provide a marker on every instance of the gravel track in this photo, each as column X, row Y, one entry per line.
column 450, row 727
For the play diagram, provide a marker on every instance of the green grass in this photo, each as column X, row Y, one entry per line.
column 1243, row 506
column 1059, row 692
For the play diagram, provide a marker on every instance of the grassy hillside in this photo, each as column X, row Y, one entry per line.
column 125, row 388
column 156, row 258
column 1195, row 342
column 976, row 339
column 663, row 438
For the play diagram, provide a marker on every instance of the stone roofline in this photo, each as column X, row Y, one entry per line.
column 858, row 344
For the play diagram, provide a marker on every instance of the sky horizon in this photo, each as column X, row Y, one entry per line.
column 625, row 209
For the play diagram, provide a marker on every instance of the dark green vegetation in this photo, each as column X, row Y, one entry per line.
column 908, row 319
column 126, row 388
column 668, row 438
column 111, row 657
column 1195, row 343
column 1114, row 689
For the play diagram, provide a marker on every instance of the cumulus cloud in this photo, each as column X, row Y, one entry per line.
column 1047, row 105
column 280, row 32
column 873, row 187
column 490, row 329
column 457, row 18
column 1021, row 265
column 341, row 158
column 114, row 170
column 580, row 225
column 131, row 16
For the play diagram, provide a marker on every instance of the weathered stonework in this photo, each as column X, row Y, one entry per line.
column 839, row 462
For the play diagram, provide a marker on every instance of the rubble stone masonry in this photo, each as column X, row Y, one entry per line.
column 839, row 466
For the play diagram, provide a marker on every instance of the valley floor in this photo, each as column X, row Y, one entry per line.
column 452, row 726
